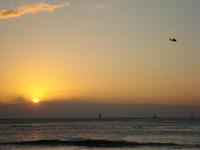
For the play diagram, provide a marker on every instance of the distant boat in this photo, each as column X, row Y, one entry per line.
column 191, row 116
column 99, row 115
column 154, row 116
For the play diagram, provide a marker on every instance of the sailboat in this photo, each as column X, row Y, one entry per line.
column 154, row 116
column 191, row 116
column 99, row 115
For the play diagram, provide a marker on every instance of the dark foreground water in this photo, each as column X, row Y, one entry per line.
column 107, row 134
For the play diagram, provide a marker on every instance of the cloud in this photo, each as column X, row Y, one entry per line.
column 99, row 7
column 17, row 100
column 30, row 9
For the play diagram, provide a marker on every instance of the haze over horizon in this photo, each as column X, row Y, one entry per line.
column 103, row 51
column 85, row 109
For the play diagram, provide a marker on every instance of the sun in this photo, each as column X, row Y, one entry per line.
column 36, row 100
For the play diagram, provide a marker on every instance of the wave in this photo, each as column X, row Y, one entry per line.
column 100, row 144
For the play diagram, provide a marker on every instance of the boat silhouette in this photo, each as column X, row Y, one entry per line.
column 99, row 115
column 155, row 116
column 192, row 116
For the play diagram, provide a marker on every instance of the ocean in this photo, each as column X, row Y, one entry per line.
column 100, row 134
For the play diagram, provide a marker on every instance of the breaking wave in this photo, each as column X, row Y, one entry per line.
column 100, row 144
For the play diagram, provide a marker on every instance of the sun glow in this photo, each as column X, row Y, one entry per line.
column 36, row 100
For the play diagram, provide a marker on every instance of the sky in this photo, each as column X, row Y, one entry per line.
column 109, row 51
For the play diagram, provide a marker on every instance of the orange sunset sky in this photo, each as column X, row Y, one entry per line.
column 100, row 50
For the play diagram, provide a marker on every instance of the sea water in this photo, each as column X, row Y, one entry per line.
column 98, row 134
